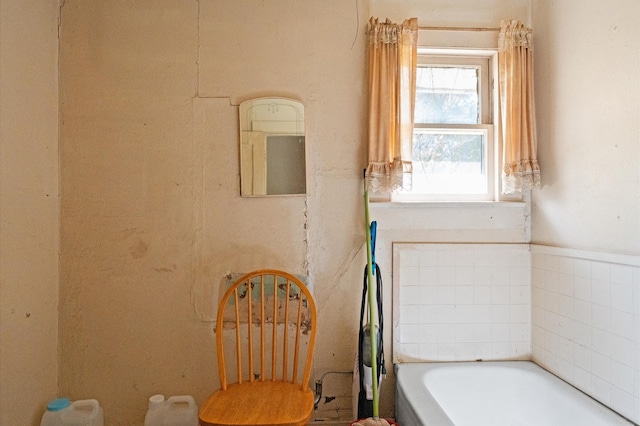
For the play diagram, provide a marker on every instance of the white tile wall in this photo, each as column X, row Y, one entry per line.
column 586, row 323
column 461, row 302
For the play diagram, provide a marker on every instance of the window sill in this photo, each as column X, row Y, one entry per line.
column 445, row 204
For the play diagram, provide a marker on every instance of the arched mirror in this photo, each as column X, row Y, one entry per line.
column 272, row 147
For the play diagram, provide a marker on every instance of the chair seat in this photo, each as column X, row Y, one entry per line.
column 258, row 403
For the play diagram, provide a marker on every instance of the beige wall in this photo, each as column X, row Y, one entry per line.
column 28, row 209
column 587, row 59
column 151, row 214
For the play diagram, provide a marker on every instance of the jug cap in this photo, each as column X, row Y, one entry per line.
column 156, row 399
column 58, row 404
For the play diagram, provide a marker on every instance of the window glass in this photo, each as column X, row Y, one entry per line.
column 447, row 95
column 449, row 162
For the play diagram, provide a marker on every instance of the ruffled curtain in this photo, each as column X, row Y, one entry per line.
column 520, row 169
column 393, row 56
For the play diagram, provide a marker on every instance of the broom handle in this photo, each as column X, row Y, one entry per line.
column 372, row 329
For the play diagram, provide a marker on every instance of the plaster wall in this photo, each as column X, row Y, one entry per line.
column 28, row 209
column 466, row 13
column 587, row 60
column 128, row 324
column 151, row 218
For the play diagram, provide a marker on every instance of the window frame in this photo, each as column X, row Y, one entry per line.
column 486, row 61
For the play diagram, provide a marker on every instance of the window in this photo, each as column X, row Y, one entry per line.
column 454, row 152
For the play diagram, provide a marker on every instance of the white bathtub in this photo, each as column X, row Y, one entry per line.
column 492, row 393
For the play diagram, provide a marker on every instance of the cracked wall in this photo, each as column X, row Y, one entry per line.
column 151, row 218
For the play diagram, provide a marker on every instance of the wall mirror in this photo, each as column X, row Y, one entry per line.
column 272, row 147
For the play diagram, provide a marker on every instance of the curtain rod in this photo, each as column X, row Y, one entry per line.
column 457, row 29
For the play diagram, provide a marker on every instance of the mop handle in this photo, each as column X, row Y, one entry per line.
column 372, row 328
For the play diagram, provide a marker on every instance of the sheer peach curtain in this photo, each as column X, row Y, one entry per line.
column 392, row 82
column 520, row 169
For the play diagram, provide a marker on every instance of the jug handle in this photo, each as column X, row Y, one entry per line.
column 92, row 402
column 182, row 398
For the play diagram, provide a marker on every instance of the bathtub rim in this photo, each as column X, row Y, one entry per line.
column 412, row 393
column 409, row 395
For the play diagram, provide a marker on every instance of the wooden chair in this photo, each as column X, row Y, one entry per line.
column 273, row 317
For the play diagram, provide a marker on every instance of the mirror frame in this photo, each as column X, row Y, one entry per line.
column 282, row 120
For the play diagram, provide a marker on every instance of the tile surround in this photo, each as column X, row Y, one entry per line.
column 462, row 302
column 576, row 313
column 586, row 323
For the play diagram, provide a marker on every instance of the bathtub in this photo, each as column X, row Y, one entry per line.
column 492, row 393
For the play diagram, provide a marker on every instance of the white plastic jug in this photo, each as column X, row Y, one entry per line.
column 178, row 410
column 63, row 412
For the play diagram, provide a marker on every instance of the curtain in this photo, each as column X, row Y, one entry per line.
column 517, row 132
column 393, row 55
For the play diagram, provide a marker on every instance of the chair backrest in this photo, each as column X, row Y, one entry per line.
column 272, row 315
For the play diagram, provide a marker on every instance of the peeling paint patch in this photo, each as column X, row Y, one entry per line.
column 229, row 314
column 307, row 236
